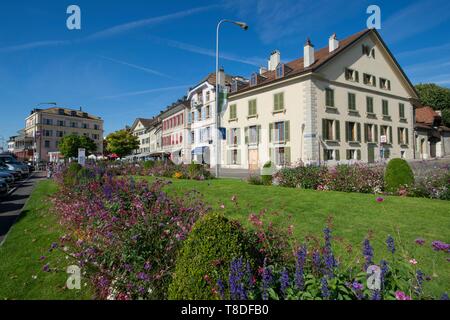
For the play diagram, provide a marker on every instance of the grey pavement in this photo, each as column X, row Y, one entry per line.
column 11, row 206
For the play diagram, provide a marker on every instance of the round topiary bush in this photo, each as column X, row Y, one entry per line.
column 206, row 257
column 398, row 173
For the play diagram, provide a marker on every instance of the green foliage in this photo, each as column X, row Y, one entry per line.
column 266, row 180
column 149, row 164
column 255, row 180
column 446, row 116
column 122, row 143
column 268, row 164
column 206, row 256
column 434, row 96
column 398, row 174
column 70, row 144
column 71, row 175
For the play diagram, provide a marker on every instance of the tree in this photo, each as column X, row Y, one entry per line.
column 70, row 144
column 437, row 97
column 122, row 143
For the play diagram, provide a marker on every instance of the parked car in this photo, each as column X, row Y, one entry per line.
column 3, row 187
column 15, row 165
column 5, row 169
column 9, row 178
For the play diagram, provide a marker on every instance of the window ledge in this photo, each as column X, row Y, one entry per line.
column 387, row 118
column 353, row 113
column 234, row 119
column 279, row 111
column 354, row 142
column 331, row 141
column 404, row 120
column 279, row 142
column 371, row 115
column 252, row 116
column 331, row 109
column 404, row 145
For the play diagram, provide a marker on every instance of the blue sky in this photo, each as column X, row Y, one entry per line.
column 133, row 58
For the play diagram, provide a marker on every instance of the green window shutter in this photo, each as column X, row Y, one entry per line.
column 281, row 100
column 287, row 131
column 337, row 155
column 329, row 97
column 324, row 129
column 258, row 132
column 369, row 101
column 337, row 124
column 275, row 101
column 349, row 98
column 358, row 131
column 287, row 155
column 347, row 131
column 357, row 76
column 366, row 132
column 390, row 135
column 407, row 136
column 358, row 154
column 399, row 135
column 246, row 135
column 347, row 153
column 271, row 154
column 376, row 132
column 270, row 132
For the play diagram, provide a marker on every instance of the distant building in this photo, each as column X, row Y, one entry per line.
column 432, row 137
column 44, row 129
column 148, row 131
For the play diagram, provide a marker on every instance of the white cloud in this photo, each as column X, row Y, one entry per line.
column 142, row 92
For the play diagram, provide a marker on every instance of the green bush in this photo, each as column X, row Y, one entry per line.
column 206, row 257
column 71, row 174
column 149, row 164
column 398, row 174
column 267, row 178
column 255, row 180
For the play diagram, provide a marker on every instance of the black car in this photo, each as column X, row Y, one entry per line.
column 3, row 188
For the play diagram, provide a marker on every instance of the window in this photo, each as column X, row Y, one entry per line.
column 280, row 156
column 253, row 135
column 233, row 112
column 351, row 101
column 351, row 154
column 353, row 132
column 329, row 97
column 59, row 134
column 235, row 156
column 95, row 137
column 192, row 136
column 365, row 49
column 61, row 123
column 331, row 130
column 369, row 104
column 48, row 133
column 385, row 84
column 47, row 144
column 48, row 122
column 385, row 105
column 280, row 71
column 234, row 136
column 386, row 132
column 208, row 96
column 85, row 126
column 253, row 80
column 234, row 86
column 351, row 75
column 370, row 132
column 401, row 110
column 279, row 132
column 252, row 108
column 278, row 101
column 189, row 118
column 330, row 154
column 208, row 112
column 403, row 136
column 74, row 124
column 369, row 80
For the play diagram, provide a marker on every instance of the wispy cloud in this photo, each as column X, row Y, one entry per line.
column 142, row 92
column 112, row 31
column 415, row 19
column 253, row 61
column 137, row 67
column 122, row 28
column 422, row 51
column 427, row 67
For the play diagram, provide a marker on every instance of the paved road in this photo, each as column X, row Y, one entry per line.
column 12, row 205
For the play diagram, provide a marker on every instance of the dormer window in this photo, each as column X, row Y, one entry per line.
column 234, row 86
column 385, row 84
column 369, row 79
column 253, row 80
column 351, row 75
column 280, row 71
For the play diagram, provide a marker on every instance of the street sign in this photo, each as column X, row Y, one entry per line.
column 383, row 139
column 82, row 156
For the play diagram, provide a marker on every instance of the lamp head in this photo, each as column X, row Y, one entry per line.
column 243, row 25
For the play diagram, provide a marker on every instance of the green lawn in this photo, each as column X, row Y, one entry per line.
column 354, row 216
column 21, row 271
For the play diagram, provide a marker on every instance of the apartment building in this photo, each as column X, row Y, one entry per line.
column 349, row 101
column 176, row 132
column 149, row 134
column 46, row 127
column 202, row 117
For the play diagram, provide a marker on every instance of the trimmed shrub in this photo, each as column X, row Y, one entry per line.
column 206, row 257
column 398, row 174
column 267, row 179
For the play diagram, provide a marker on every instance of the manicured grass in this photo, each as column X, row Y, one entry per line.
column 21, row 271
column 354, row 215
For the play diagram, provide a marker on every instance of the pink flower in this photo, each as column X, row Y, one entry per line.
column 222, row 206
column 413, row 261
column 400, row 295
column 380, row 199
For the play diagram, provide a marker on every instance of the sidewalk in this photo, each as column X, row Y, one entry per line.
column 12, row 205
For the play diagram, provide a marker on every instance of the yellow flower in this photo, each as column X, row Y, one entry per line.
column 178, row 175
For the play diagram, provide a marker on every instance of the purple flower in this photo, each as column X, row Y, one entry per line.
column 316, row 259
column 420, row 241
column 54, row 245
column 444, row 296
column 236, row 280
column 266, row 281
column 143, row 276
column 299, row 266
column 440, row 246
column 324, row 288
column 420, row 278
column 380, row 199
column 46, row 268
column 367, row 253
column 284, row 281
column 221, row 287
column 147, row 266
column 42, row 258
column 390, row 244
column 376, row 295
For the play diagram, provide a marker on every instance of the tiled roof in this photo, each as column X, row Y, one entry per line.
column 211, row 79
column 147, row 123
column 68, row 112
column 296, row 67
column 426, row 115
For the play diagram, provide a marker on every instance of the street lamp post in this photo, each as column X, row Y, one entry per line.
column 243, row 26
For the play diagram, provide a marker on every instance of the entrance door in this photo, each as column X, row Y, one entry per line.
column 253, row 159
column 433, row 149
column 371, row 153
